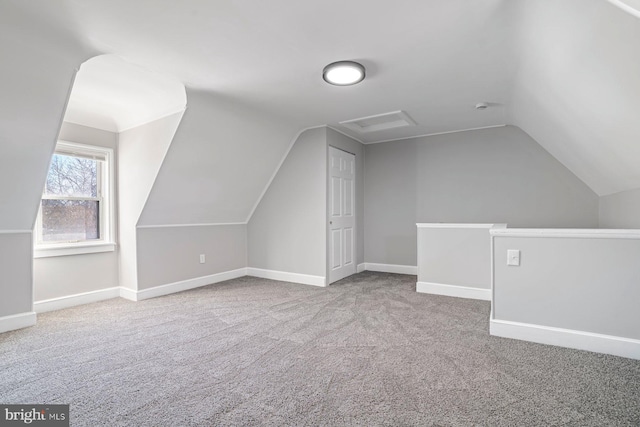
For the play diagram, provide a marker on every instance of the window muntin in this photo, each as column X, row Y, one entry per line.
column 75, row 209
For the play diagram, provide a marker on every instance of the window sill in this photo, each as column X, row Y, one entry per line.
column 76, row 249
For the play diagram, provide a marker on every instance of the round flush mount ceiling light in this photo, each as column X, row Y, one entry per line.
column 343, row 73
column 482, row 106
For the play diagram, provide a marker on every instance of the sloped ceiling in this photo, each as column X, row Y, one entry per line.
column 576, row 89
column 434, row 59
column 565, row 71
column 37, row 66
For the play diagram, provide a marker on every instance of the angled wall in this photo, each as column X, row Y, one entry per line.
column 141, row 151
column 576, row 89
column 220, row 159
column 38, row 66
column 287, row 232
column 497, row 175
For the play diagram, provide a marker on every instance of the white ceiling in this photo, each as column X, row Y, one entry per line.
column 434, row 59
column 112, row 94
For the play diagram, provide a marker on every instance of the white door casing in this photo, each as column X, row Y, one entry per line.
column 342, row 220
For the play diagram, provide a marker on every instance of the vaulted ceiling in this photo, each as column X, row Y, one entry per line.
column 565, row 71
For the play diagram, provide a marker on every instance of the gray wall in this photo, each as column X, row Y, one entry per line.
column 338, row 140
column 171, row 254
column 218, row 164
column 391, row 183
column 16, row 255
column 39, row 64
column 497, row 175
column 583, row 284
column 287, row 231
column 455, row 256
column 575, row 86
column 141, row 151
column 620, row 210
column 60, row 276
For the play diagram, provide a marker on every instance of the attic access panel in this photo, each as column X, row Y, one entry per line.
column 378, row 122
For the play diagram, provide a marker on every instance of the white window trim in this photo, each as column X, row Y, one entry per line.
column 107, row 242
column 77, row 249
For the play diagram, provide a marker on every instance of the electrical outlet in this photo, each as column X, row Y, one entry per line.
column 202, row 259
column 513, row 257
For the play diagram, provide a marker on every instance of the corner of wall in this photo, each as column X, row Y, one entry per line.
column 299, row 183
column 140, row 159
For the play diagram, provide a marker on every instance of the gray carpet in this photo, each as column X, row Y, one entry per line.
column 366, row 351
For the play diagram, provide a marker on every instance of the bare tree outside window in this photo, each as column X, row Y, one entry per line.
column 72, row 176
column 71, row 200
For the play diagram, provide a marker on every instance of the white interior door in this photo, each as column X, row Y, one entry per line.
column 342, row 220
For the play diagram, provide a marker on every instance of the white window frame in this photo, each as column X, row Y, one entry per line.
column 106, row 186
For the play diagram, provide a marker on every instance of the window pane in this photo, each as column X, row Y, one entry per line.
column 70, row 220
column 72, row 176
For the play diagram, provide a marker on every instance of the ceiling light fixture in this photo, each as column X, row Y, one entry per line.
column 343, row 73
column 482, row 106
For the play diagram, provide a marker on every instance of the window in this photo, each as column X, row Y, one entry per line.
column 76, row 207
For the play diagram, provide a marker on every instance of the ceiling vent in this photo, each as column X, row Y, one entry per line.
column 393, row 120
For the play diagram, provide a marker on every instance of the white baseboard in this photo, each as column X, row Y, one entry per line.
column 17, row 321
column 74, row 300
column 304, row 279
column 391, row 268
column 183, row 285
column 360, row 268
column 453, row 291
column 128, row 294
column 580, row 340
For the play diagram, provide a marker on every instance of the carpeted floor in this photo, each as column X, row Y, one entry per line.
column 366, row 351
